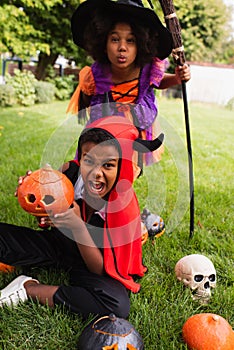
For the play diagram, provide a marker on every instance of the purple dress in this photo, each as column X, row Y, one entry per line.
column 144, row 110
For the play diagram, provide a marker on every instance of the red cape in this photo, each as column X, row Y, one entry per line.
column 122, row 230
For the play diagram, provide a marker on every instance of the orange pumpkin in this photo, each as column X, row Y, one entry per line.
column 6, row 268
column 45, row 192
column 207, row 331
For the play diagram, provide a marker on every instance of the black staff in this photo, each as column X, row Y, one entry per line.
column 173, row 26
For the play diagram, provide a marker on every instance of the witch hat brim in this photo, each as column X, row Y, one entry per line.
column 145, row 16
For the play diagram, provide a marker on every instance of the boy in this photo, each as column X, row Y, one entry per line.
column 98, row 239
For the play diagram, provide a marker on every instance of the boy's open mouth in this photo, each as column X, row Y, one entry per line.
column 96, row 186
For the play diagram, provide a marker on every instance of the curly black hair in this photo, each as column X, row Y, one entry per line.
column 97, row 136
column 97, row 30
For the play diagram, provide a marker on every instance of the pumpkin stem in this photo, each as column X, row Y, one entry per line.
column 47, row 166
column 112, row 317
column 215, row 318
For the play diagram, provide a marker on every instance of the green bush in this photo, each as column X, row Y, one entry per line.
column 23, row 84
column 24, row 89
column 64, row 86
column 7, row 96
column 45, row 91
column 230, row 104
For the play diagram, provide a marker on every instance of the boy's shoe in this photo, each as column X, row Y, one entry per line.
column 15, row 292
column 154, row 223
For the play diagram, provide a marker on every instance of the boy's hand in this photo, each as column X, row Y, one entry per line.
column 70, row 219
column 183, row 73
column 20, row 181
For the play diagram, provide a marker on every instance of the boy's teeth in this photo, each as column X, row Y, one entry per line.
column 97, row 185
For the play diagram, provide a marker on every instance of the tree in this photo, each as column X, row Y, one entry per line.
column 38, row 26
column 228, row 52
column 204, row 28
column 57, row 32
column 31, row 26
column 17, row 34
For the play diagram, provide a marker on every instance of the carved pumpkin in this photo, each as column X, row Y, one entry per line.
column 208, row 331
column 110, row 332
column 45, row 192
column 6, row 268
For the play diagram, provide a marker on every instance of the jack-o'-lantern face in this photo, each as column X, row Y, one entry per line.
column 116, row 347
column 110, row 332
column 45, row 192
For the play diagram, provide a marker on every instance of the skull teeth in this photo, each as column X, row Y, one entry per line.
column 202, row 296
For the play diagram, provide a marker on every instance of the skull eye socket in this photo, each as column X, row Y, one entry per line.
column 198, row 278
column 212, row 278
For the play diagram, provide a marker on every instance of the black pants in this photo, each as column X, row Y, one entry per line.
column 87, row 293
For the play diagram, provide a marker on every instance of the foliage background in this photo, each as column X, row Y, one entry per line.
column 28, row 27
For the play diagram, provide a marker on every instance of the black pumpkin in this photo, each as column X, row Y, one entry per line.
column 110, row 332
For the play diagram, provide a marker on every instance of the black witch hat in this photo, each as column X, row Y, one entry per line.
column 132, row 8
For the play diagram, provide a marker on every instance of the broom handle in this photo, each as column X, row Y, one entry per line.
column 190, row 159
column 179, row 58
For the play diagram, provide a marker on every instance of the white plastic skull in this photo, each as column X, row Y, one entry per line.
column 198, row 273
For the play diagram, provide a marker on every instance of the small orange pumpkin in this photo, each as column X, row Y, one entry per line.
column 207, row 331
column 6, row 268
column 45, row 192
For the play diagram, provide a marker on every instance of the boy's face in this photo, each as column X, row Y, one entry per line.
column 99, row 168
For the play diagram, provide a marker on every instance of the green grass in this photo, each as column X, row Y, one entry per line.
column 33, row 136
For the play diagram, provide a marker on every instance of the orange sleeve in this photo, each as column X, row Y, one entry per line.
column 86, row 85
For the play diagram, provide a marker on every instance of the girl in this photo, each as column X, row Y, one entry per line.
column 129, row 45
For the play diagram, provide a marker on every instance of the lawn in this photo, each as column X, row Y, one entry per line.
column 31, row 137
